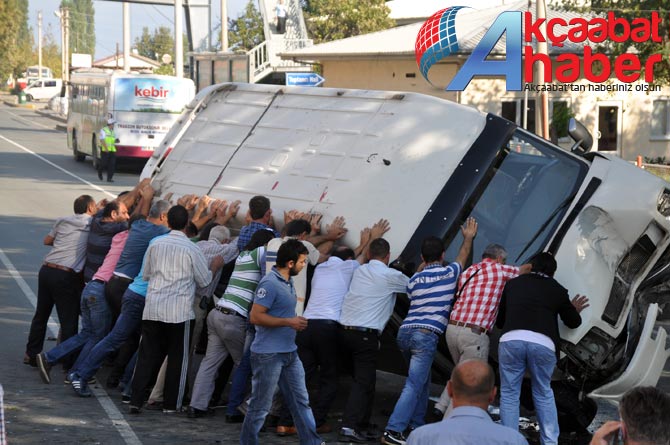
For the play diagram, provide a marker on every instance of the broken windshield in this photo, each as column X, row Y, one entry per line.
column 524, row 198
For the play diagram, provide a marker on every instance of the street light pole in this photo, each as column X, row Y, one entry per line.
column 543, row 108
column 224, row 26
column 178, row 39
column 126, row 37
column 39, row 44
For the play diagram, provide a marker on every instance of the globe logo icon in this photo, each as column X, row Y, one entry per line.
column 436, row 39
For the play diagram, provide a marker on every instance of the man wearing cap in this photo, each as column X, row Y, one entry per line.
column 107, row 150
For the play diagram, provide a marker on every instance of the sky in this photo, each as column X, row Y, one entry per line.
column 109, row 21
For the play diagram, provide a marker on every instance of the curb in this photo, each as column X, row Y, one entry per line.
column 51, row 116
column 28, row 106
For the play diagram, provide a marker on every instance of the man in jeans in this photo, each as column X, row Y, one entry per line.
column 274, row 356
column 474, row 313
column 528, row 316
column 431, row 293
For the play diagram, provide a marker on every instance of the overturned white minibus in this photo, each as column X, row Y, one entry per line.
column 426, row 164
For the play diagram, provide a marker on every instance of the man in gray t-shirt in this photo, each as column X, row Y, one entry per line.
column 59, row 280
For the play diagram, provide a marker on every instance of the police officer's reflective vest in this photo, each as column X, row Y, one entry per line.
column 110, row 140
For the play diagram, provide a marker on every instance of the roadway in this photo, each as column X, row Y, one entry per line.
column 39, row 180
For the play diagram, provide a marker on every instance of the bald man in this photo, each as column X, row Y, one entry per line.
column 472, row 389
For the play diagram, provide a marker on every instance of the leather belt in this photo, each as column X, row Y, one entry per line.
column 322, row 321
column 226, row 311
column 98, row 280
column 360, row 329
column 428, row 331
column 473, row 327
column 122, row 279
column 58, row 266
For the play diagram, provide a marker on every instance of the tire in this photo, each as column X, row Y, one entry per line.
column 94, row 153
column 29, row 98
column 78, row 156
column 574, row 414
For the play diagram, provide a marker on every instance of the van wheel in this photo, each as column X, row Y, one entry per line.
column 78, row 156
column 94, row 153
column 29, row 98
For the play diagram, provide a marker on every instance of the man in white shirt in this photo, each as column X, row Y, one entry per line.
column 174, row 266
column 366, row 309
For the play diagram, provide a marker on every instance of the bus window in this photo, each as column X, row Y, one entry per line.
column 528, row 192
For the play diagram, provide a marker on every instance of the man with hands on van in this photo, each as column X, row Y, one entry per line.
column 107, row 146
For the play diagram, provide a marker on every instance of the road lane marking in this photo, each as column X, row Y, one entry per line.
column 27, row 120
column 42, row 158
column 113, row 413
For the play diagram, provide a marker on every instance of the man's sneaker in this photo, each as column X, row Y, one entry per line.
column 81, row 387
column 44, row 367
column 71, row 376
column 125, row 399
column 133, row 409
column 393, row 438
column 350, row 435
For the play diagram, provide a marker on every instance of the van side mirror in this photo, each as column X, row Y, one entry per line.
column 581, row 136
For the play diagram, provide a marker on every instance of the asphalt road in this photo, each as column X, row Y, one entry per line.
column 39, row 180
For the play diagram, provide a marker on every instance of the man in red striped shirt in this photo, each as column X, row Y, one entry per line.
column 476, row 309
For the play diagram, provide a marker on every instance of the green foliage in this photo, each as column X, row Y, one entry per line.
column 154, row 45
column 10, row 57
column 337, row 19
column 631, row 9
column 246, row 31
column 166, row 68
column 82, row 26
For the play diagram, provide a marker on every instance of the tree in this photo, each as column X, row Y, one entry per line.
column 82, row 26
column 246, row 31
column 25, row 40
column 10, row 25
column 337, row 19
column 631, row 9
column 154, row 45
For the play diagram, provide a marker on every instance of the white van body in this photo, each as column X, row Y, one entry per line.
column 43, row 89
column 426, row 164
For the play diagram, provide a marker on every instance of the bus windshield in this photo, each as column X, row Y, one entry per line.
column 526, row 195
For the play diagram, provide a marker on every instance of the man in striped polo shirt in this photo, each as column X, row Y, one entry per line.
column 431, row 293
column 227, row 324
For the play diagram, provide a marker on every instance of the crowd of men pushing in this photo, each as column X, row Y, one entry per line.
column 147, row 289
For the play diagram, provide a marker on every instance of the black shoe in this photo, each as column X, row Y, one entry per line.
column 100, row 175
column 28, row 360
column 125, row 399
column 234, row 418
column 154, row 406
column 112, row 382
column 109, row 180
column 44, row 367
column 133, row 409
column 393, row 438
column 436, row 415
column 351, row 435
column 194, row 413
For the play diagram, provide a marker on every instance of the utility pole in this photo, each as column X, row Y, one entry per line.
column 66, row 46
column 178, row 39
column 126, row 37
column 39, row 44
column 224, row 26
column 542, row 108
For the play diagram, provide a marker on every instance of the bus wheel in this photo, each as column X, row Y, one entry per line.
column 78, row 156
column 94, row 153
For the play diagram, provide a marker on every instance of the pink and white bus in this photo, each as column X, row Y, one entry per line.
column 144, row 106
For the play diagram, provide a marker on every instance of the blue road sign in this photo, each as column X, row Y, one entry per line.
column 304, row 79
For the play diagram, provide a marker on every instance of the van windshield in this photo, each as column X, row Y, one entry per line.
column 524, row 198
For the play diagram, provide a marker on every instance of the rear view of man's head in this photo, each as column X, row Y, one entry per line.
column 645, row 414
column 472, row 383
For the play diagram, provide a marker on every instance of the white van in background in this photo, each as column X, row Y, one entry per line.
column 43, row 89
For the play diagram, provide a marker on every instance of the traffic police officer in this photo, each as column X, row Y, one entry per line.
column 107, row 150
